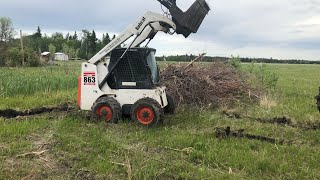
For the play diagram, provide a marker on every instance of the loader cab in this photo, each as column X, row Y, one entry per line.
column 136, row 70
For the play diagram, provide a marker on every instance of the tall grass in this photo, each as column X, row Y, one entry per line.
column 28, row 81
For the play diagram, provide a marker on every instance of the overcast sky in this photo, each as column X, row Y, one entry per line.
column 286, row 29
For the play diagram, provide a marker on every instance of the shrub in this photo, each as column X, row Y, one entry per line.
column 31, row 58
column 263, row 77
column 3, row 48
column 14, row 56
column 235, row 62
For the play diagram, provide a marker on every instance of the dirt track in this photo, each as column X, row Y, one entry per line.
column 11, row 113
column 277, row 120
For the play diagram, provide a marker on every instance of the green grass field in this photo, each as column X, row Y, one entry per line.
column 69, row 146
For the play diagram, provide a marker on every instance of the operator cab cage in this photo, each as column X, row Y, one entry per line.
column 137, row 69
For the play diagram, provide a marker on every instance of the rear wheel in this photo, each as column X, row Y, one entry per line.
column 318, row 102
column 171, row 107
column 107, row 109
column 147, row 112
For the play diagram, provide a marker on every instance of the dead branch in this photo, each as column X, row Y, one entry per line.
column 120, row 164
column 214, row 84
column 129, row 170
column 35, row 153
column 127, row 165
column 193, row 61
column 46, row 142
column 187, row 150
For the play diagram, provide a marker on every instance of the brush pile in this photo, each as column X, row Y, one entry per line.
column 212, row 84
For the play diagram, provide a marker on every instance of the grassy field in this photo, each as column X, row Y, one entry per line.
column 33, row 87
column 294, row 94
column 69, row 146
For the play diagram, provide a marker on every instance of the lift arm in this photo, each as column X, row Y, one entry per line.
column 146, row 27
column 149, row 32
column 150, row 23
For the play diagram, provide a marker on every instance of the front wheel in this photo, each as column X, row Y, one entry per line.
column 107, row 109
column 147, row 112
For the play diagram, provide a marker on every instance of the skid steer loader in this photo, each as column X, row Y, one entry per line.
column 125, row 81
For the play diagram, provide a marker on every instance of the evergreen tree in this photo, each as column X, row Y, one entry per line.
column 75, row 36
column 68, row 37
column 99, row 45
column 85, row 47
column 35, row 41
column 38, row 34
column 106, row 39
column 93, row 43
column 103, row 37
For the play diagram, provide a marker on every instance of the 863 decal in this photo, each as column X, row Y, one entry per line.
column 89, row 78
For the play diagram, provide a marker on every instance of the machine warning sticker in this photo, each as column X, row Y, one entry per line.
column 89, row 78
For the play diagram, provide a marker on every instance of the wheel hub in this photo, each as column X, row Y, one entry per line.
column 105, row 112
column 145, row 115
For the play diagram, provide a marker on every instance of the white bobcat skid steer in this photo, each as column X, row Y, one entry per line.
column 128, row 83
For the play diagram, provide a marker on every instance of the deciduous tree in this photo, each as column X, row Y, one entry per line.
column 6, row 29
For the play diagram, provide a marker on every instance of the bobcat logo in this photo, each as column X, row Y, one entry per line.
column 140, row 23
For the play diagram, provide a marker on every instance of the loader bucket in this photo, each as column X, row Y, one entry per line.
column 187, row 22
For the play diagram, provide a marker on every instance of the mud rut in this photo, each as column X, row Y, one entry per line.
column 276, row 120
column 11, row 113
column 227, row 132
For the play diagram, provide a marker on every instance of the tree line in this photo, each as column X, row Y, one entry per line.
column 188, row 58
column 77, row 46
column 80, row 46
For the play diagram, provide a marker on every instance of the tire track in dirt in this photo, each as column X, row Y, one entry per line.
column 224, row 133
column 11, row 113
column 277, row 120
column 227, row 132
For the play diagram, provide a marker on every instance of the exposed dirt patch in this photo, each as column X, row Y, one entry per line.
column 309, row 125
column 276, row 120
column 11, row 113
column 227, row 132
column 234, row 115
column 85, row 175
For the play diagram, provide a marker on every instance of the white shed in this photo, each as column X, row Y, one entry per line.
column 61, row 57
column 45, row 57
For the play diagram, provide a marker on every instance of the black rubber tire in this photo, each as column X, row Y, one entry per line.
column 110, row 102
column 318, row 102
column 152, row 105
column 171, row 107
